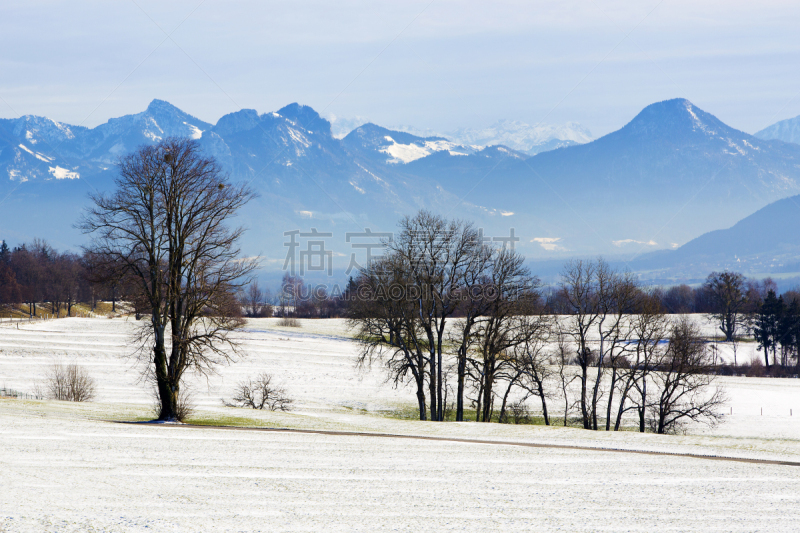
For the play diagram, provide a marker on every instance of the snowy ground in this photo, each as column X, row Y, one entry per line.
column 71, row 467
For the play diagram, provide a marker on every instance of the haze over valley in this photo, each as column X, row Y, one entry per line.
column 676, row 170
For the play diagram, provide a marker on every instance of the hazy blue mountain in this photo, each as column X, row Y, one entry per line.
column 670, row 174
column 767, row 241
column 673, row 173
column 552, row 144
column 786, row 130
column 523, row 137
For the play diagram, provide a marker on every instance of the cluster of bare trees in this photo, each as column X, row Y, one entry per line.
column 297, row 299
column 38, row 279
column 46, row 280
column 631, row 355
column 255, row 301
column 454, row 316
column 406, row 302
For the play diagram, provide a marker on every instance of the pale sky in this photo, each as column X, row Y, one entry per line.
column 437, row 65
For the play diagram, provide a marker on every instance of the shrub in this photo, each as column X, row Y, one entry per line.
column 71, row 383
column 289, row 322
column 756, row 369
column 519, row 413
column 261, row 393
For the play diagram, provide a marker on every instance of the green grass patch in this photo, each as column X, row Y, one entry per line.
column 410, row 413
column 225, row 420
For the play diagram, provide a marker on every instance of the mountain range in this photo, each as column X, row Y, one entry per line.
column 523, row 137
column 513, row 134
column 674, row 172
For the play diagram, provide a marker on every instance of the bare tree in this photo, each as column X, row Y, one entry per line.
column 387, row 325
column 684, row 382
column 71, row 383
column 474, row 305
column 582, row 301
column 437, row 253
column 562, row 358
column 620, row 298
column 262, row 393
column 597, row 299
column 513, row 296
column 165, row 228
column 254, row 301
column 650, row 328
column 727, row 291
column 530, row 360
column 406, row 300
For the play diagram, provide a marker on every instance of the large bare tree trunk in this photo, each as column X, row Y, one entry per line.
column 462, row 371
column 587, row 421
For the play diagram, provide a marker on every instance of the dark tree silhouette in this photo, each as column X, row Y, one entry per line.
column 165, row 228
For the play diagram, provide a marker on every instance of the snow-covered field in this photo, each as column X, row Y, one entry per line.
column 74, row 467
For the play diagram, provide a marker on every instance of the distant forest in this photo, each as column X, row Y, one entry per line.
column 36, row 281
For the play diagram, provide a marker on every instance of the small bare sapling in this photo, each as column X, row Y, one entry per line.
column 262, row 393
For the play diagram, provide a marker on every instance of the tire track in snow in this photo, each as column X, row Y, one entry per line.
column 474, row 441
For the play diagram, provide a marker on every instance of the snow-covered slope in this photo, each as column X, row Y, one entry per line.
column 72, row 467
column 396, row 147
column 786, row 130
column 119, row 136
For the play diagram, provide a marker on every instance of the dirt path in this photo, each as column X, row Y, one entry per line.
column 478, row 441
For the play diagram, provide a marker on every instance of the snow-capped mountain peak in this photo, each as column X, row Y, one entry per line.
column 401, row 147
column 42, row 129
column 523, row 137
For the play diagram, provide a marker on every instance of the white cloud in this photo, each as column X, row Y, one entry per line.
column 506, row 213
column 623, row 242
column 62, row 173
column 549, row 243
column 306, row 214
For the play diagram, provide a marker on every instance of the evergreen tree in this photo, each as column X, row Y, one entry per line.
column 5, row 253
column 790, row 330
column 767, row 325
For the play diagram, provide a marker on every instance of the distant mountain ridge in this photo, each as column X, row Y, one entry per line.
column 786, row 130
column 524, row 137
column 672, row 173
column 766, row 241
column 658, row 180
column 513, row 134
